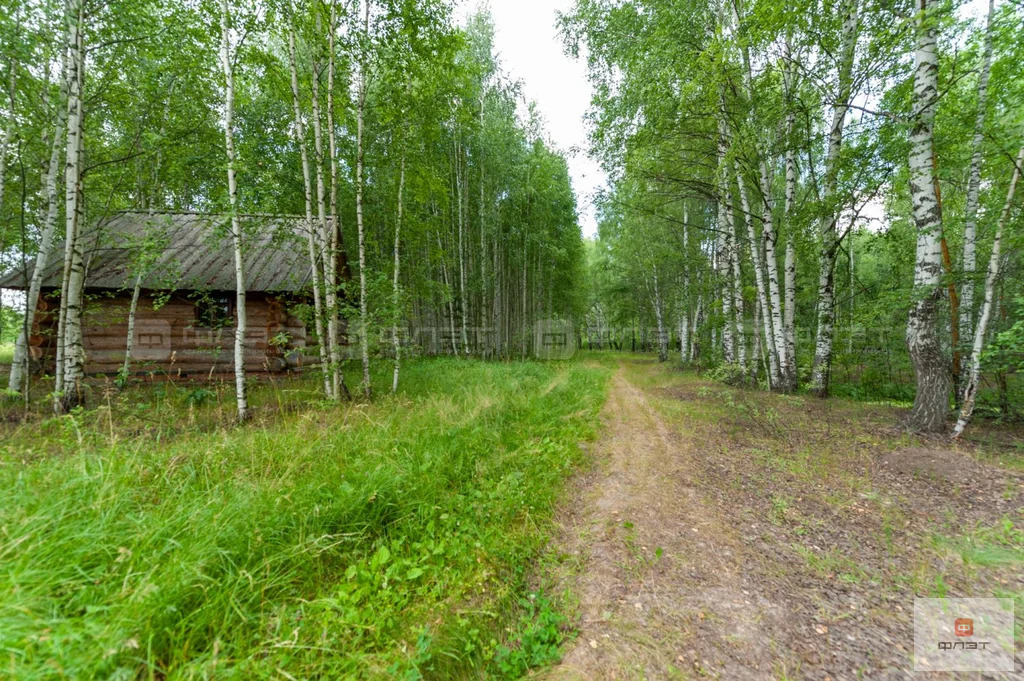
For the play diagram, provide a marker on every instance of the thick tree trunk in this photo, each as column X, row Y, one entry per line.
column 931, row 403
column 829, row 237
column 974, row 375
column 777, row 349
column 241, row 397
column 966, row 320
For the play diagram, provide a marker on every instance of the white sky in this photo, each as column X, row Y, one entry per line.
column 530, row 51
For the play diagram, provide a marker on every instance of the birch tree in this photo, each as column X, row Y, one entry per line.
column 227, row 64
column 966, row 320
column 70, row 349
column 931, row 403
column 974, row 374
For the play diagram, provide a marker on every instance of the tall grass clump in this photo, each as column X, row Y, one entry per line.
column 372, row 540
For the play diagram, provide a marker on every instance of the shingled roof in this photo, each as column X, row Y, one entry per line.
column 188, row 251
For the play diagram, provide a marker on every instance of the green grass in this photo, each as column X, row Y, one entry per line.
column 6, row 353
column 383, row 540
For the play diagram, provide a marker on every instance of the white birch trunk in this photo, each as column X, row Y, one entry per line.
column 966, row 320
column 71, row 368
column 396, row 292
column 324, row 251
column 461, row 249
column 659, row 317
column 769, row 237
column 762, row 293
column 334, row 245
column 684, row 317
column 48, row 199
column 364, row 315
column 789, row 283
column 971, row 387
column 130, row 340
column 241, row 397
column 724, row 227
column 829, row 236
column 311, row 227
column 931, row 402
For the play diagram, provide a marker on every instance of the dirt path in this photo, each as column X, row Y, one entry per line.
column 662, row 591
column 686, row 565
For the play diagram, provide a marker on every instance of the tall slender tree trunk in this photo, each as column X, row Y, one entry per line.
column 71, row 369
column 364, row 315
column 659, row 318
column 931, row 403
column 789, row 267
column 774, row 314
column 48, row 219
column 241, row 397
column 762, row 293
column 337, row 263
column 974, row 375
column 970, row 256
column 737, row 291
column 311, row 226
column 460, row 247
column 396, row 291
column 829, row 234
column 724, row 226
column 325, row 251
column 684, row 314
column 5, row 136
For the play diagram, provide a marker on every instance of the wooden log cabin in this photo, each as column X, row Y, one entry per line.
column 184, row 321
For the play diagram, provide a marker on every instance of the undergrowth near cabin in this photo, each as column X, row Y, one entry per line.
column 144, row 537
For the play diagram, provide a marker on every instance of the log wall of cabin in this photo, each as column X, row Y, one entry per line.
column 169, row 339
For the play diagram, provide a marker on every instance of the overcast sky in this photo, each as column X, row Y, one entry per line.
column 530, row 50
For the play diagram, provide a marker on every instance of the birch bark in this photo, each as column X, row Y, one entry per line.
column 241, row 397
column 931, row 402
column 337, row 262
column 311, row 227
column 966, row 320
column 71, row 364
column 364, row 315
column 762, row 293
column 829, row 237
column 48, row 199
column 973, row 377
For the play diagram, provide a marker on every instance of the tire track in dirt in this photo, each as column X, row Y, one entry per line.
column 658, row 573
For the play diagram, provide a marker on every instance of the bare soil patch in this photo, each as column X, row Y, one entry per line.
column 741, row 535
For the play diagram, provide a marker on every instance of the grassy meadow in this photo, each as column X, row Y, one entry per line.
column 146, row 537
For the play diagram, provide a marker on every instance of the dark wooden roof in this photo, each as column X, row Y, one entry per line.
column 187, row 251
